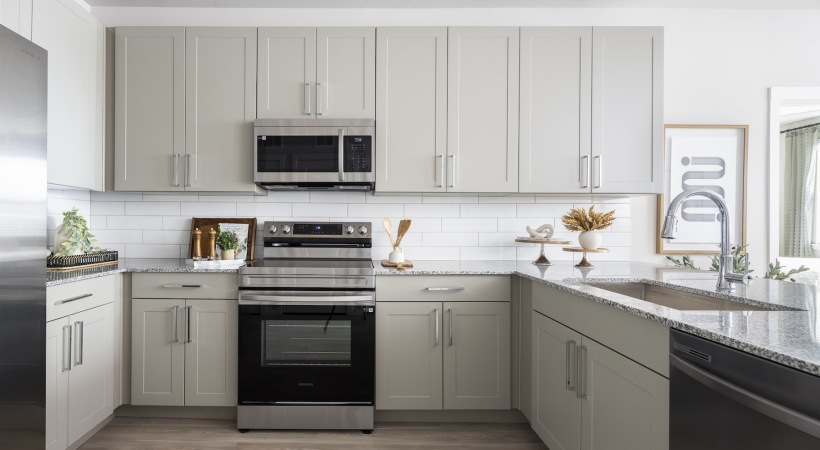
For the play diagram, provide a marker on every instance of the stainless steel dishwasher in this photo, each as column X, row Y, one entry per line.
column 726, row 399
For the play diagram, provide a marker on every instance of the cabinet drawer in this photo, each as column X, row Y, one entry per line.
column 66, row 299
column 443, row 288
column 185, row 285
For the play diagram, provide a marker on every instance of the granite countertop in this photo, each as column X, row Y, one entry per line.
column 790, row 337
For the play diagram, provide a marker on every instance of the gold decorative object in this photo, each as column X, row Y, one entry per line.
column 578, row 219
column 212, row 244
column 197, row 253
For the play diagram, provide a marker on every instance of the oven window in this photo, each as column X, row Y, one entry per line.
column 320, row 342
column 297, row 153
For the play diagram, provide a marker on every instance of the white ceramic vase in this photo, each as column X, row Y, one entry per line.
column 590, row 240
column 228, row 254
column 396, row 256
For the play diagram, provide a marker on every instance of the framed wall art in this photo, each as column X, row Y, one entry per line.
column 703, row 157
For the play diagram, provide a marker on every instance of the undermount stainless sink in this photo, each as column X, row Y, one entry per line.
column 676, row 299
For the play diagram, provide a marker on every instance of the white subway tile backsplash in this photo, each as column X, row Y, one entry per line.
column 152, row 208
column 488, row 210
column 108, row 208
column 469, row 227
column 77, row 194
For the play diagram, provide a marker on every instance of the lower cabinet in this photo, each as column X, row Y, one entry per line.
column 442, row 355
column 184, row 352
column 79, row 375
column 587, row 396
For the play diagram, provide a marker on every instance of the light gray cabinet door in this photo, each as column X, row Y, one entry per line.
column 556, row 90
column 411, row 111
column 346, row 72
column 556, row 410
column 286, row 72
column 158, row 352
column 482, row 125
column 408, row 355
column 149, row 93
column 90, row 391
column 220, row 106
column 211, row 356
column 627, row 405
column 627, row 109
column 69, row 33
column 58, row 365
column 16, row 16
column 477, row 355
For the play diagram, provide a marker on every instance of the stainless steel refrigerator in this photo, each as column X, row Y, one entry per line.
column 23, row 210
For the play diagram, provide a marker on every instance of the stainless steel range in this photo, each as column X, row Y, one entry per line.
column 307, row 329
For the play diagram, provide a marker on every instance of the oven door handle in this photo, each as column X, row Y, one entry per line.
column 749, row 399
column 267, row 299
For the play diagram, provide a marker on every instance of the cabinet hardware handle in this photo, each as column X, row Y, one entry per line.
column 66, row 348
column 78, row 343
column 189, row 310
column 452, row 180
column 307, row 99
column 438, row 318
column 320, row 106
column 582, row 372
column 176, row 169
column 571, row 365
column 188, row 170
column 451, row 313
column 440, row 171
column 599, row 172
column 446, row 289
column 585, row 172
column 182, row 285
column 72, row 299
column 341, row 154
column 175, row 325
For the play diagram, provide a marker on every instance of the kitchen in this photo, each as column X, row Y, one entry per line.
column 468, row 225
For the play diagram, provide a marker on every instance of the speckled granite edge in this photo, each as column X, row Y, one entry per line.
column 72, row 276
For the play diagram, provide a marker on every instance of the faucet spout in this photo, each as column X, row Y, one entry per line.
column 726, row 261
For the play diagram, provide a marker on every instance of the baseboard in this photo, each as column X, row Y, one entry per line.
column 466, row 416
column 178, row 412
column 92, row 432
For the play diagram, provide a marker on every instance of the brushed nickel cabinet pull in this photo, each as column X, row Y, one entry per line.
column 189, row 310
column 446, row 289
column 571, row 381
column 451, row 313
column 175, row 324
column 78, row 343
column 582, row 372
column 72, row 299
column 66, row 348
column 585, row 172
column 438, row 318
column 176, row 169
column 307, row 99
column 182, row 285
column 599, row 180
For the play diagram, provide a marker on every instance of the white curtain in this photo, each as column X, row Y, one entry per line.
column 800, row 186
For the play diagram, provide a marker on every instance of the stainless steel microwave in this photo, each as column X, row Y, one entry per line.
column 300, row 154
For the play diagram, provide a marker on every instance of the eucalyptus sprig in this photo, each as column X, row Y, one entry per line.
column 578, row 219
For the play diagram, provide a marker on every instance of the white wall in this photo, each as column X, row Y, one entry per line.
column 719, row 64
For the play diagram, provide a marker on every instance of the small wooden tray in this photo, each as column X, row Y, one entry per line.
column 206, row 224
column 406, row 264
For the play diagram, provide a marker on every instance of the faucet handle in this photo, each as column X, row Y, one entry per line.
column 745, row 263
column 743, row 278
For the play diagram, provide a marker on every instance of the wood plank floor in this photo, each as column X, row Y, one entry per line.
column 129, row 433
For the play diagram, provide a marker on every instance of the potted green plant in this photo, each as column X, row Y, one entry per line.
column 228, row 242
column 73, row 237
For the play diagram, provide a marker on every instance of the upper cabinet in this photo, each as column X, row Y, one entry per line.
column 73, row 38
column 411, row 109
column 185, row 102
column 482, row 126
column 309, row 72
column 591, row 109
column 627, row 109
column 16, row 16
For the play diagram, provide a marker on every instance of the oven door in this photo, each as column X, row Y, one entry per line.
column 323, row 154
column 306, row 347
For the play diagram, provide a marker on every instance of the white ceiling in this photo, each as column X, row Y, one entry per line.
column 731, row 4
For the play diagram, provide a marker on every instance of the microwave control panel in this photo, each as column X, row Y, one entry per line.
column 358, row 155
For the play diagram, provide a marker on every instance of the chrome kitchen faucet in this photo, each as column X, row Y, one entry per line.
column 725, row 262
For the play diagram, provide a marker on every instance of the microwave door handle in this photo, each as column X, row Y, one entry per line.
column 341, row 154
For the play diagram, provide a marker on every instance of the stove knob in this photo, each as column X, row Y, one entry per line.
column 285, row 229
column 349, row 229
column 362, row 229
column 272, row 229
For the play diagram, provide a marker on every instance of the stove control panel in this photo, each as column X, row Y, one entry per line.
column 309, row 230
